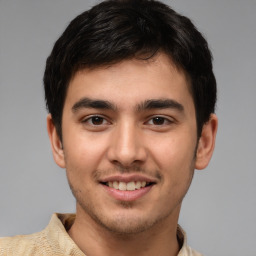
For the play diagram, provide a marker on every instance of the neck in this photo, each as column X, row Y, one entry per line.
column 93, row 239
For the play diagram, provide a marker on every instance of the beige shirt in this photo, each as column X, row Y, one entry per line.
column 55, row 241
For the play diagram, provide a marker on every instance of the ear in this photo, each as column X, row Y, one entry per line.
column 206, row 143
column 56, row 144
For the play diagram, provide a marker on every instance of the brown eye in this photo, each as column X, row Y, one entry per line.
column 96, row 123
column 158, row 120
column 97, row 120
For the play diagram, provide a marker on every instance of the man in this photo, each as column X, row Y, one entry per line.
column 131, row 95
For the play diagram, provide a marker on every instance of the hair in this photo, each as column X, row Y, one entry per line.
column 117, row 30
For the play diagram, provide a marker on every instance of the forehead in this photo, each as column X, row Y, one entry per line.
column 132, row 81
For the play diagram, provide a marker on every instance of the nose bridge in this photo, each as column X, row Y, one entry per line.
column 126, row 146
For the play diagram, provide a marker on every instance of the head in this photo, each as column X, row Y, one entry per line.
column 118, row 30
column 131, row 94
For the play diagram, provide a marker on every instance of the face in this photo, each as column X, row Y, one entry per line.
column 129, row 143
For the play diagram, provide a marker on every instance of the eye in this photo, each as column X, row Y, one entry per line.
column 95, row 121
column 159, row 120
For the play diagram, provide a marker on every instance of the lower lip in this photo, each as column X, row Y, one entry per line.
column 127, row 195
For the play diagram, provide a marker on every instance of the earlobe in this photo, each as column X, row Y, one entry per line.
column 56, row 144
column 206, row 143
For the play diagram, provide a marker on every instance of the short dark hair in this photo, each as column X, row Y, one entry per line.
column 117, row 30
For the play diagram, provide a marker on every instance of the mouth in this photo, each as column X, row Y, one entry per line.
column 127, row 186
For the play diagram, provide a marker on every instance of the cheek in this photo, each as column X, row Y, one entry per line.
column 170, row 148
column 174, row 156
column 84, row 147
column 83, row 155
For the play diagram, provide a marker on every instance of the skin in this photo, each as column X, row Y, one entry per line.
column 130, row 138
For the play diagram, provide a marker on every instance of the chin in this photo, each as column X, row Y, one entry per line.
column 126, row 225
column 127, row 222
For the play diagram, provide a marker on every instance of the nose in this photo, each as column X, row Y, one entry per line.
column 126, row 146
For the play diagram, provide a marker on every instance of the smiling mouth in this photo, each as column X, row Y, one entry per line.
column 127, row 186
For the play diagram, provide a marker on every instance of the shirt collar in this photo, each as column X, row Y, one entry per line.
column 57, row 235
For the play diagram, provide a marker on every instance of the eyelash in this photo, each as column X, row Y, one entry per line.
column 103, row 121
column 89, row 120
column 165, row 120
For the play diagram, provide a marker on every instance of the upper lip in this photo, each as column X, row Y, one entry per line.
column 128, row 178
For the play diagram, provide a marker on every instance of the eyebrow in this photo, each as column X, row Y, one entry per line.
column 90, row 103
column 146, row 105
column 160, row 104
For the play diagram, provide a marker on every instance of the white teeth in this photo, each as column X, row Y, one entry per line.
column 138, row 185
column 130, row 186
column 116, row 185
column 122, row 186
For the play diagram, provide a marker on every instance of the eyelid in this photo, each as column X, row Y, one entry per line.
column 169, row 120
column 87, row 118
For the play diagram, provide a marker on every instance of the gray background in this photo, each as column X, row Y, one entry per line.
column 220, row 210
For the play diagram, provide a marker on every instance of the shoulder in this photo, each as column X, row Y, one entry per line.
column 188, row 251
column 185, row 249
column 34, row 244
column 193, row 252
column 53, row 240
